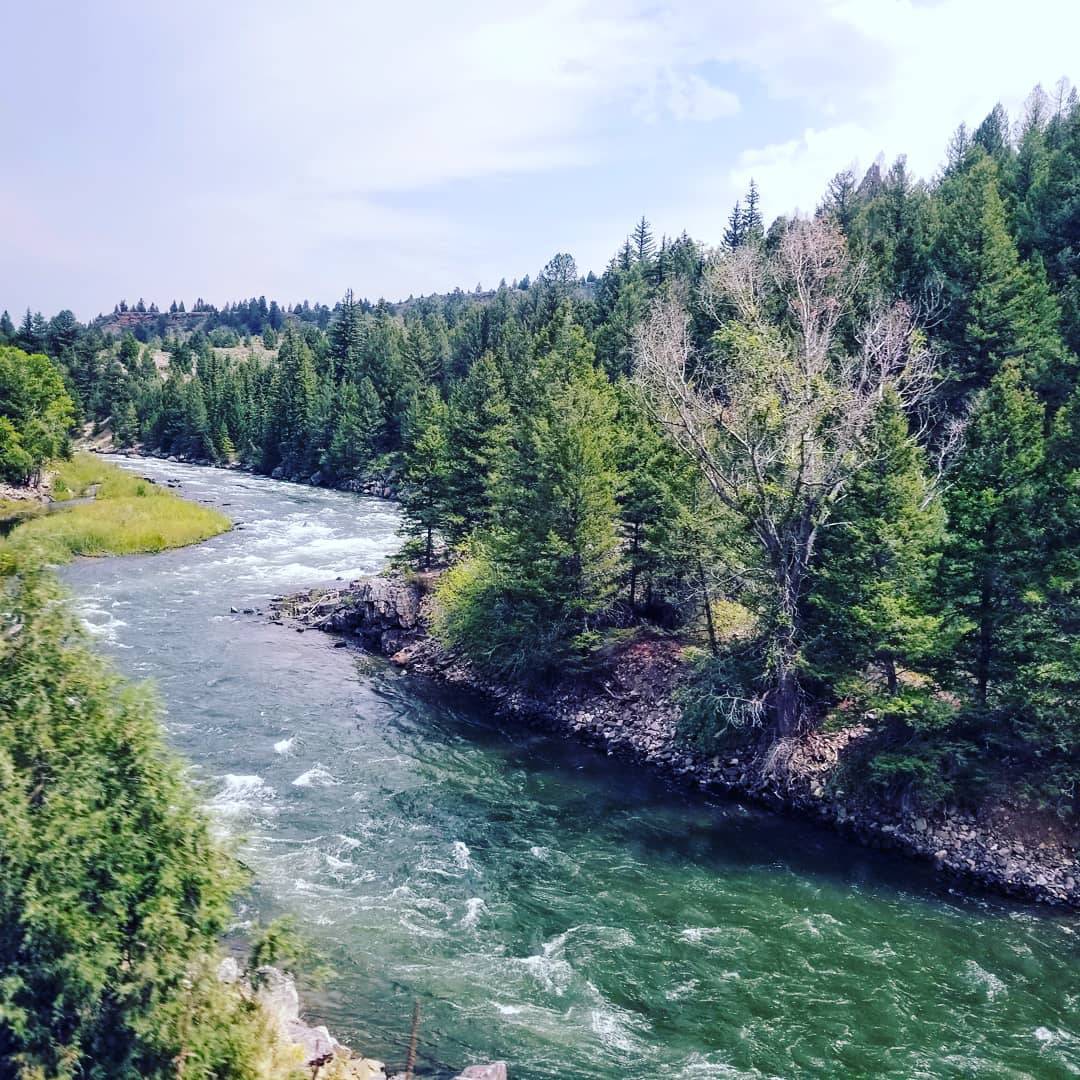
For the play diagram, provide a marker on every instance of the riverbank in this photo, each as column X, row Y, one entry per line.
column 90, row 507
column 629, row 709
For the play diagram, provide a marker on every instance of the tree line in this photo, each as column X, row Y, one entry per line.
column 839, row 455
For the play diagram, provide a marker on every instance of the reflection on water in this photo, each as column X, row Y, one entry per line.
column 546, row 904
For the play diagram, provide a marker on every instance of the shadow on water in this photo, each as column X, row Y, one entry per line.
column 656, row 819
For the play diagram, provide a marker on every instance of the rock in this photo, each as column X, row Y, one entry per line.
column 277, row 995
column 495, row 1071
column 228, row 970
column 319, row 1045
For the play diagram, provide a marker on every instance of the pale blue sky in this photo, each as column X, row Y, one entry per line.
column 294, row 150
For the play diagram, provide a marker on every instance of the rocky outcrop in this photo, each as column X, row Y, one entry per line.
column 630, row 709
column 383, row 612
column 306, row 1046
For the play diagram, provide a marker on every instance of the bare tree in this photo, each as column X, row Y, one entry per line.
column 776, row 417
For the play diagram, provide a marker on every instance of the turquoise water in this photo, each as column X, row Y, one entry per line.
column 545, row 904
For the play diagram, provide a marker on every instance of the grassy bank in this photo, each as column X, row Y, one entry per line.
column 127, row 516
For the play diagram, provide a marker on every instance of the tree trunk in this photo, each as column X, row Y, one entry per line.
column 787, row 700
column 986, row 641
column 714, row 645
column 888, row 662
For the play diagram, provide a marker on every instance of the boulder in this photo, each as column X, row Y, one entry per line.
column 384, row 611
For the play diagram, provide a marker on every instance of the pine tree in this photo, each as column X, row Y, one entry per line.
column 528, row 601
column 355, row 429
column 656, row 486
column 287, row 441
column 997, row 308
column 753, row 225
column 642, row 240
column 346, row 337
column 995, row 534
column 478, row 432
column 424, row 495
column 993, row 135
column 735, row 233
column 840, row 202
column 870, row 600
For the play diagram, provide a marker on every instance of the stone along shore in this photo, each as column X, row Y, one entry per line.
column 630, row 709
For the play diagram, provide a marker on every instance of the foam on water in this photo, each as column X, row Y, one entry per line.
column 474, row 908
column 549, row 907
column 984, row 980
column 241, row 795
column 316, row 776
column 462, row 856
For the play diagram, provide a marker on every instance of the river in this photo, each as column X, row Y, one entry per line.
column 545, row 904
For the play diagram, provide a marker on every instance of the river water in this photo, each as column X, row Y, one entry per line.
column 545, row 904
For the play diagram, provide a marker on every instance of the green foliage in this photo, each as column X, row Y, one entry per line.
column 870, row 602
column 570, row 515
column 36, row 414
column 528, row 603
column 425, row 499
column 112, row 891
column 991, row 569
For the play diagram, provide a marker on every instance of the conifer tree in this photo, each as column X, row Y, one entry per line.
column 355, row 429
column 753, row 225
column 871, row 597
column 478, row 432
column 995, row 535
column 735, row 233
column 997, row 308
column 291, row 409
column 425, row 472
column 642, row 241
column 548, row 567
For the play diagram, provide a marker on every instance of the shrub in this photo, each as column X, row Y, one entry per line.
column 113, row 891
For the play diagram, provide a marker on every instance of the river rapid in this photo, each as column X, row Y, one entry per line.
column 545, row 904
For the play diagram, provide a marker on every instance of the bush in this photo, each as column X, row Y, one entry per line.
column 722, row 699
column 113, row 891
column 504, row 632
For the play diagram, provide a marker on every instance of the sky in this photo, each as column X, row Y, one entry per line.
column 295, row 150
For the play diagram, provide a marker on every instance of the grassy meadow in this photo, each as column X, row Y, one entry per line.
column 127, row 516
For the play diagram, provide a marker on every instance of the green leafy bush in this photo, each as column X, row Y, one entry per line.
column 113, row 891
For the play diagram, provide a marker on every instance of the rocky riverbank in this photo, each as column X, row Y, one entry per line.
column 312, row 1047
column 630, row 709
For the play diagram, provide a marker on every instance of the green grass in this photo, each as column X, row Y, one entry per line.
column 128, row 517
column 11, row 509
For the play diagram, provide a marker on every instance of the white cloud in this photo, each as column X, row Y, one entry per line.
column 936, row 66
column 297, row 148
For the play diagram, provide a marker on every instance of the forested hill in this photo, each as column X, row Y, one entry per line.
column 228, row 325
column 839, row 455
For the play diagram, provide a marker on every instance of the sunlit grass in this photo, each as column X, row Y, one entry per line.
column 129, row 515
column 11, row 509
